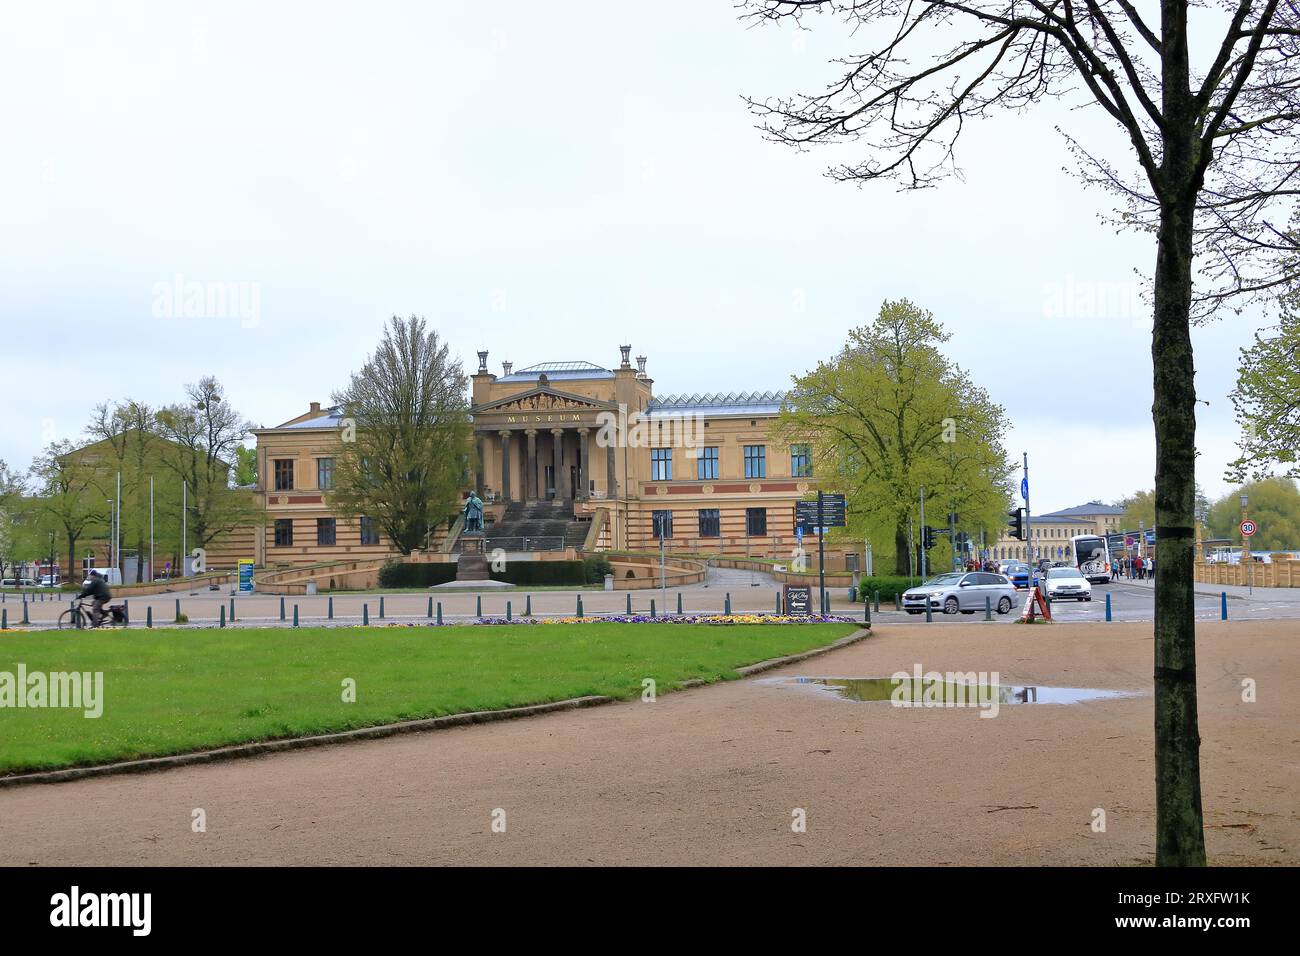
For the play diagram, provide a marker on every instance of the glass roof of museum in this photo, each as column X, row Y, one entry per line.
column 729, row 403
column 557, row 370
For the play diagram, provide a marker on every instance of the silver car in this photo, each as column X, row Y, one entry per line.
column 963, row 591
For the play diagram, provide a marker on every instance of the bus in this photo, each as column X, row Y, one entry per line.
column 1091, row 555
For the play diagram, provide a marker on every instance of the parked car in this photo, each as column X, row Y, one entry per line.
column 1064, row 584
column 961, row 591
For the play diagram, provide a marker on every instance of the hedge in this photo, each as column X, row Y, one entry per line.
column 397, row 574
column 889, row 586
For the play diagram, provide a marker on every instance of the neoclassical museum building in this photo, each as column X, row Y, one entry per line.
column 567, row 455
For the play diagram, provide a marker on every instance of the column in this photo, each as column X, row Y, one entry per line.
column 530, row 475
column 583, row 449
column 478, row 466
column 611, row 471
column 557, row 444
column 505, row 465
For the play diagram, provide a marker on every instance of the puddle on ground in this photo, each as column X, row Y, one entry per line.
column 932, row 691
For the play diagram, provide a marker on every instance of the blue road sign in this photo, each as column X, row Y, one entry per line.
column 1024, row 488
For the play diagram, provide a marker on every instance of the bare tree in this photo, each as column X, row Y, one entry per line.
column 1215, row 180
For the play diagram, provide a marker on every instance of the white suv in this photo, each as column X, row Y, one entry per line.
column 1064, row 584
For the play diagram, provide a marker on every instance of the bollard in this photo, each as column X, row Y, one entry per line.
column 178, row 611
column 679, row 603
column 778, row 600
column 381, row 607
column 223, row 616
column 4, row 618
column 1223, row 605
column 428, row 612
column 439, row 612
column 329, row 608
column 929, row 617
column 652, row 607
column 126, row 613
column 853, row 595
column 579, row 605
column 295, row 615
column 282, row 608
column 148, row 616
column 629, row 602
column 866, row 612
column 726, row 605
column 528, row 606
column 877, row 608
column 365, row 615
column 508, row 617
column 232, row 610
column 988, row 608
column 478, row 606
column 25, row 621
column 1107, row 607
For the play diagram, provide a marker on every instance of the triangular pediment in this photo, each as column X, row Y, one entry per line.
column 543, row 399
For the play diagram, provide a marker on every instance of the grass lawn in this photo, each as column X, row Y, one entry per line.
column 168, row 690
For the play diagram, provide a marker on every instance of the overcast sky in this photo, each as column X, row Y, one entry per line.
column 544, row 181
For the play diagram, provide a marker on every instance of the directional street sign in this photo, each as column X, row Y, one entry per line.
column 1248, row 527
column 833, row 512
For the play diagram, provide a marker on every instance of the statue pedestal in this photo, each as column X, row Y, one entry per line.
column 473, row 563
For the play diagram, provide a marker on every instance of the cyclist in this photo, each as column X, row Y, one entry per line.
column 96, row 588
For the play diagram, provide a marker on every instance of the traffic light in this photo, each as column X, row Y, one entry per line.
column 927, row 538
column 1017, row 524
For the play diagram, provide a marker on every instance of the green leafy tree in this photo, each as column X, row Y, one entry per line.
column 1267, row 401
column 1274, row 506
column 127, row 441
column 404, row 455
column 890, row 414
column 68, row 493
column 245, row 466
column 202, row 436
column 11, row 499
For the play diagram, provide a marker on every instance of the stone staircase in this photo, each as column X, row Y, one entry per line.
column 536, row 527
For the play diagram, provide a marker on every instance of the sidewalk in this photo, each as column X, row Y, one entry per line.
column 1280, row 595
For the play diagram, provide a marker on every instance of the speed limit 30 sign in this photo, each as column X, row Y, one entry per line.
column 1248, row 527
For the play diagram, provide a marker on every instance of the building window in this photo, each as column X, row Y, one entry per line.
column 710, row 523
column 756, row 522
column 284, row 474
column 284, row 532
column 662, row 524
column 324, row 473
column 661, row 464
column 755, row 461
column 706, row 464
column 325, row 531
column 369, row 531
column 800, row 461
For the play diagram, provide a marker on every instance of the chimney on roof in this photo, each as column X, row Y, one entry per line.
column 507, row 366
column 627, row 351
column 482, row 360
column 315, row 408
column 640, row 366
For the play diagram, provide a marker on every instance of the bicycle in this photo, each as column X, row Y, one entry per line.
column 80, row 617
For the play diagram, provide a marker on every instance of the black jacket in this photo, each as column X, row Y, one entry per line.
column 96, row 588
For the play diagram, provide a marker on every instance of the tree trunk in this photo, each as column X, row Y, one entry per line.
column 72, row 556
column 1180, row 840
column 902, row 561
